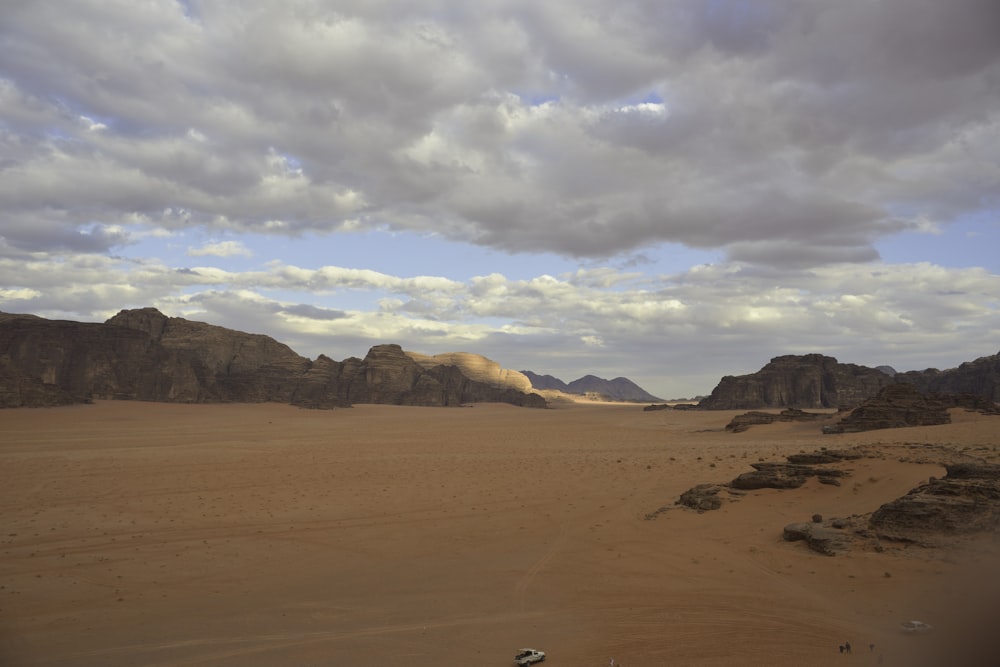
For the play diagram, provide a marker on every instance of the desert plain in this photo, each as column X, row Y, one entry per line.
column 165, row 534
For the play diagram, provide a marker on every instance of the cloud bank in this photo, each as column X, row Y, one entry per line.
column 788, row 138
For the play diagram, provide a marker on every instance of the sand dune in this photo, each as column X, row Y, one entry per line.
column 154, row 534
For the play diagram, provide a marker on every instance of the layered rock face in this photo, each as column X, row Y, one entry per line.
column 800, row 381
column 741, row 423
column 902, row 405
column 965, row 500
column 979, row 378
column 145, row 355
column 476, row 367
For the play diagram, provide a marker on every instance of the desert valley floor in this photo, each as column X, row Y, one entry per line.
column 160, row 534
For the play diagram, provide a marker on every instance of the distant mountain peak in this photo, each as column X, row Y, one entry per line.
column 618, row 389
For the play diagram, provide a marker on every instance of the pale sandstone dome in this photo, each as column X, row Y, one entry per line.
column 476, row 367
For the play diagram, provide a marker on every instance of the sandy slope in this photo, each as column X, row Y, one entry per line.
column 152, row 534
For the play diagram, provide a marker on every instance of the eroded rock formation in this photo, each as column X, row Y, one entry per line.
column 741, row 423
column 902, row 405
column 980, row 378
column 965, row 500
column 145, row 355
column 477, row 367
column 799, row 381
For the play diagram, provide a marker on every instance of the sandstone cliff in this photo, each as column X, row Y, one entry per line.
column 902, row 405
column 979, row 378
column 145, row 355
column 476, row 367
column 799, row 381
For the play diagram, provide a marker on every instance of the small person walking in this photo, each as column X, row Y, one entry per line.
column 847, row 647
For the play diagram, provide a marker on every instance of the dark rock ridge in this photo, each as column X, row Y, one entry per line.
column 773, row 475
column 817, row 381
column 144, row 355
column 798, row 381
column 741, row 423
column 790, row 474
column 979, row 378
column 902, row 405
column 965, row 500
column 666, row 406
column 618, row 389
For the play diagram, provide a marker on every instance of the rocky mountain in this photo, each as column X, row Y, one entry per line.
column 799, row 381
column 618, row 389
column 979, row 378
column 546, row 382
column 145, row 355
column 817, row 381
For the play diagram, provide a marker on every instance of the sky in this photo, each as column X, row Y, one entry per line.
column 666, row 190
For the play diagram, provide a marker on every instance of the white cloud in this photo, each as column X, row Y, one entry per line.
column 697, row 325
column 786, row 141
column 221, row 249
column 767, row 125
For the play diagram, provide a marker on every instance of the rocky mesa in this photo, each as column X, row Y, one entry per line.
column 817, row 381
column 798, row 381
column 144, row 355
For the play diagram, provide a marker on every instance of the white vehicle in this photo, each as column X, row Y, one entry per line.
column 916, row 627
column 528, row 656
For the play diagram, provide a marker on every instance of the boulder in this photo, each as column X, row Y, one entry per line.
column 819, row 537
column 702, row 497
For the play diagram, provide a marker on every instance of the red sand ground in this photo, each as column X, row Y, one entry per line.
column 155, row 534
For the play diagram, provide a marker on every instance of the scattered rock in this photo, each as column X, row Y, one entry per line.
column 824, row 456
column 741, row 423
column 781, row 476
column 818, row 537
column 702, row 497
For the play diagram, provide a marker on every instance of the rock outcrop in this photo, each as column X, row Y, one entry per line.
column 798, row 381
column 902, row 405
column 979, row 378
column 772, row 475
column 741, row 423
column 821, row 537
column 477, row 367
column 145, row 355
column 965, row 500
column 791, row 474
column 702, row 497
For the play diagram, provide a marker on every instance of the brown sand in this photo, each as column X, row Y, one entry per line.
column 153, row 534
